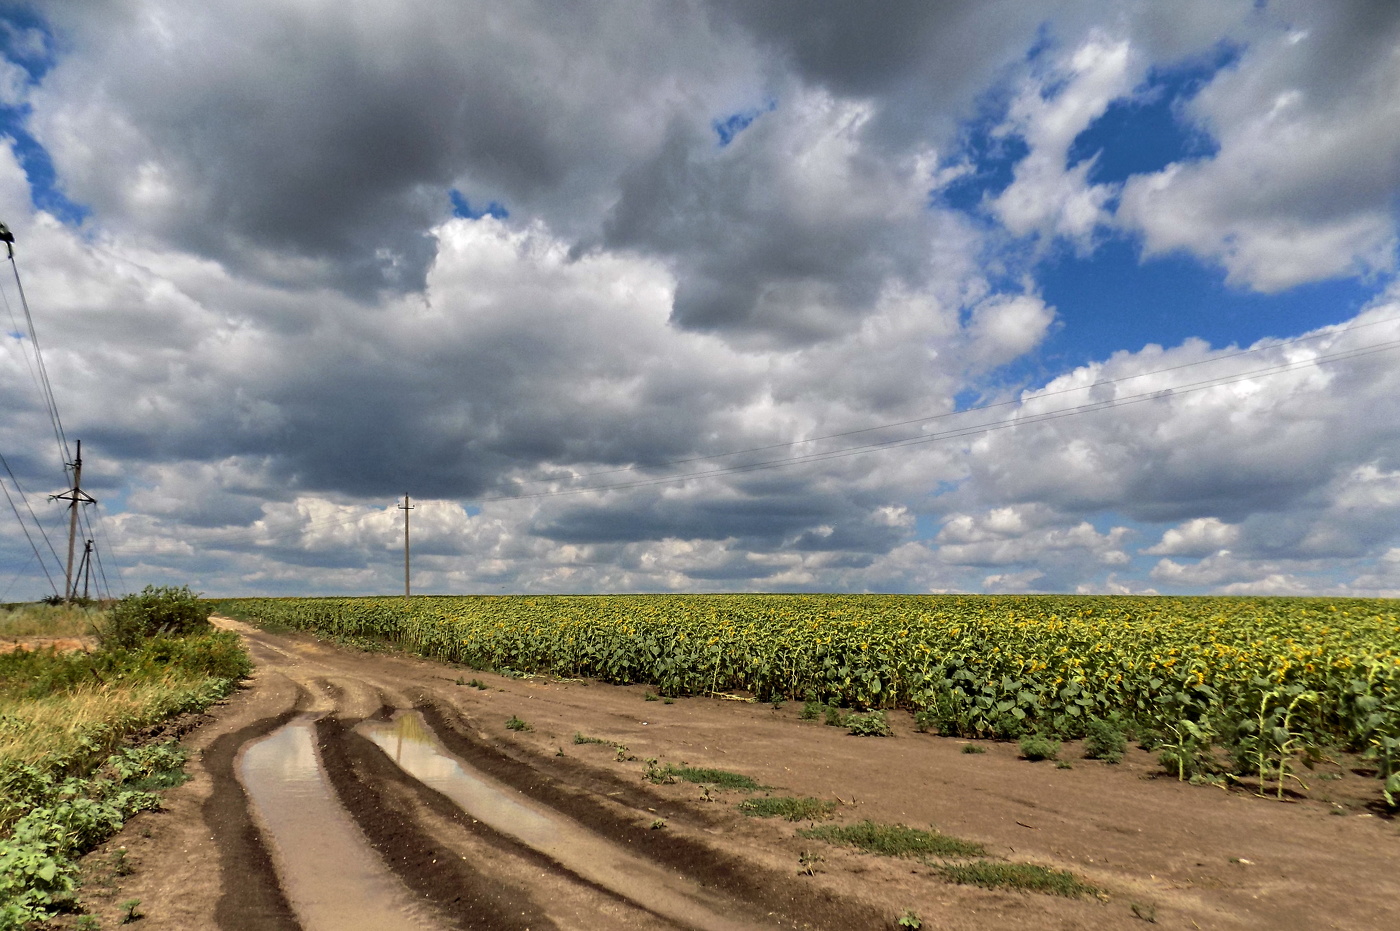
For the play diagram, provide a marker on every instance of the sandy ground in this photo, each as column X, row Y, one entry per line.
column 1184, row 856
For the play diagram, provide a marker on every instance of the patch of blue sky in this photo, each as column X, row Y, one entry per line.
column 1146, row 131
column 25, row 40
column 463, row 209
column 727, row 128
column 1112, row 300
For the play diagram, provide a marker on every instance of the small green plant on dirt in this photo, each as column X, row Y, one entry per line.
column 893, row 840
column 658, row 824
column 1105, row 740
column 717, row 777
column 786, row 806
column 651, row 696
column 515, row 724
column 1147, row 913
column 1036, row 747
column 129, row 912
column 874, row 724
column 910, row 919
column 1023, row 876
column 167, row 611
column 121, row 866
column 583, row 739
column 811, row 710
column 668, row 700
column 478, row 684
column 973, row 748
column 1063, row 764
column 807, row 861
column 86, row 923
column 834, row 717
column 657, row 774
column 925, row 721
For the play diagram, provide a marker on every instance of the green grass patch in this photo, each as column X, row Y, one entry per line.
column 789, row 807
column 585, row 739
column 719, row 777
column 1022, row 876
column 894, row 840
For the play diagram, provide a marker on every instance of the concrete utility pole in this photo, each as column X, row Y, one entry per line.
column 405, row 507
column 74, row 498
column 87, row 568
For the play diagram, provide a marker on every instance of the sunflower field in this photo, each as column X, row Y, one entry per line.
column 1264, row 676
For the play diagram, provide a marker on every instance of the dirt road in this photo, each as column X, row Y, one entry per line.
column 348, row 790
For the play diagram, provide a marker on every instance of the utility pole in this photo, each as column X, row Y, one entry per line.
column 74, row 497
column 87, row 567
column 405, row 507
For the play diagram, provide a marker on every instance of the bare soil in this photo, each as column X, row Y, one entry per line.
column 1184, row 856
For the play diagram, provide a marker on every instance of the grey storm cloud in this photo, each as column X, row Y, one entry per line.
column 268, row 327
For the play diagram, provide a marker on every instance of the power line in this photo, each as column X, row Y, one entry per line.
column 32, row 544
column 22, row 570
column 45, row 385
column 34, row 517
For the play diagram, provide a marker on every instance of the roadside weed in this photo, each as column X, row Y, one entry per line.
column 973, row 748
column 1036, row 747
column 580, row 738
column 1023, row 876
column 515, row 724
column 786, row 806
column 910, row 919
column 893, row 840
column 874, row 724
column 1105, row 740
column 718, row 777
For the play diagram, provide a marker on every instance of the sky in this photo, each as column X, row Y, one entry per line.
column 704, row 295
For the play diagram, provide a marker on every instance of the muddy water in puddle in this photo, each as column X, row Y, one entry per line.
column 411, row 743
column 332, row 878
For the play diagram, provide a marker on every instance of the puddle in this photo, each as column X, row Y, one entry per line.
column 333, row 879
column 411, row 743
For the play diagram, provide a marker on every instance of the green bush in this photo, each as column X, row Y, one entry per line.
column 874, row 724
column 165, row 611
column 1105, row 741
column 1035, row 747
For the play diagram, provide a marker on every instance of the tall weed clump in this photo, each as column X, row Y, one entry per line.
column 165, row 611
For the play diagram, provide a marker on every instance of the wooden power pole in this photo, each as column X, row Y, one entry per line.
column 74, row 497
column 405, row 507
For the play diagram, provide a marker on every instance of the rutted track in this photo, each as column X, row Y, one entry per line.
column 1201, row 858
column 449, row 869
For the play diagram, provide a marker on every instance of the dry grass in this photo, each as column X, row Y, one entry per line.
column 65, row 725
column 28, row 621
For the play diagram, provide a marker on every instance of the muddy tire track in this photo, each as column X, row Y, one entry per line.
column 619, row 812
column 255, row 898
column 390, row 809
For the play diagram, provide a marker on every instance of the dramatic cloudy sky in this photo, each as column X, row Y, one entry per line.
column 703, row 295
